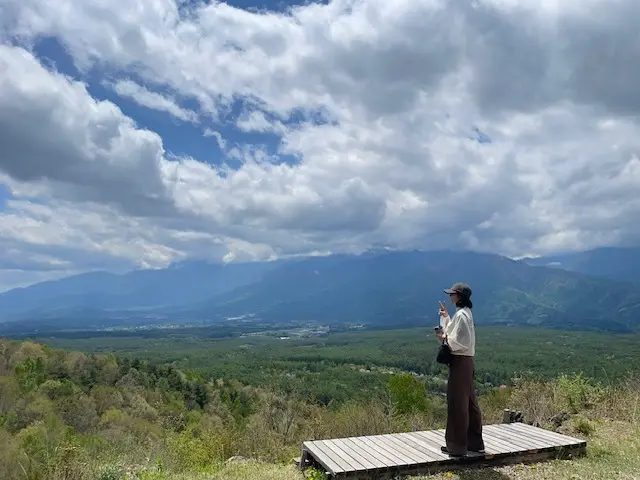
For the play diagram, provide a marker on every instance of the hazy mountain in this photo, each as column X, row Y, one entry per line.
column 614, row 263
column 382, row 289
column 179, row 284
column 403, row 288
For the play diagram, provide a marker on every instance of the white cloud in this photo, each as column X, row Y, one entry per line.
column 256, row 121
column 377, row 100
column 142, row 96
column 53, row 133
column 220, row 140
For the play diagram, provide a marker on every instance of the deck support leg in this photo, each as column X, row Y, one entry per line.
column 511, row 416
column 306, row 460
column 506, row 416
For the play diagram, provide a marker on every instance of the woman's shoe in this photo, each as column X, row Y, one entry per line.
column 445, row 450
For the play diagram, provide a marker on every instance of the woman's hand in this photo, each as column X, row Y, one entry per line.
column 441, row 336
column 443, row 310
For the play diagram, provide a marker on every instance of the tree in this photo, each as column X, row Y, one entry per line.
column 407, row 394
column 30, row 373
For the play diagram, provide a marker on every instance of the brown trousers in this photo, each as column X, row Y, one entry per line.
column 464, row 419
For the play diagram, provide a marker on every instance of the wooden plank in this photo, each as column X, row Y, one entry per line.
column 353, row 458
column 376, row 457
column 348, row 464
column 436, row 437
column 324, row 457
column 391, row 456
column 561, row 447
column 383, row 442
column 353, row 453
column 356, row 454
column 537, row 437
column 419, row 455
column 398, row 444
column 508, row 444
column 516, row 439
column 493, row 446
column 555, row 437
column 427, row 450
column 534, row 436
column 433, row 447
column 377, row 461
column 319, row 457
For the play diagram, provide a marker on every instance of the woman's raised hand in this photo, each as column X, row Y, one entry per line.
column 443, row 310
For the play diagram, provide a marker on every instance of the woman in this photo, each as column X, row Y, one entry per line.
column 464, row 419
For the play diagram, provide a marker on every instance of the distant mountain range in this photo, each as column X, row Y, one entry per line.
column 590, row 290
column 614, row 263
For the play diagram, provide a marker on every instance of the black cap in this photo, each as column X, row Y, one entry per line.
column 459, row 288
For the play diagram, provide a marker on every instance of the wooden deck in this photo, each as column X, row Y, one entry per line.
column 415, row 453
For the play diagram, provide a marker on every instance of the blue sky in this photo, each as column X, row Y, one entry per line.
column 5, row 195
column 134, row 138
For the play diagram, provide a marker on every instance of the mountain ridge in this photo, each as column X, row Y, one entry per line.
column 615, row 263
column 376, row 289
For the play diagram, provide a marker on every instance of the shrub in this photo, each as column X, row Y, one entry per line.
column 112, row 471
column 578, row 393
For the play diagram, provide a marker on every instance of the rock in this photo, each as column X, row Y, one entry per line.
column 236, row 459
column 559, row 419
column 564, row 430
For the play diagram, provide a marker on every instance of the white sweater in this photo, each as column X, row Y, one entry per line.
column 460, row 332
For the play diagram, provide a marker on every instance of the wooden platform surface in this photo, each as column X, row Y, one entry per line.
column 414, row 453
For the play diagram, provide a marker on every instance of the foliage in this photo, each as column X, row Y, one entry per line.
column 30, row 373
column 65, row 415
column 314, row 474
column 578, row 393
column 335, row 368
column 407, row 394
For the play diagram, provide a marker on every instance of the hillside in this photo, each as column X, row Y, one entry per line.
column 376, row 289
column 66, row 415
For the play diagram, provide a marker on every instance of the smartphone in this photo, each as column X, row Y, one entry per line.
column 438, row 328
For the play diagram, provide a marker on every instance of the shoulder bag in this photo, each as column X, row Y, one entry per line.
column 444, row 354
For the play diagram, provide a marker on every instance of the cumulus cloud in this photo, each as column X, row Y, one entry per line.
column 155, row 101
column 377, row 101
column 256, row 121
column 52, row 131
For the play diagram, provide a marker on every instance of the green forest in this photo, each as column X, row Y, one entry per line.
column 334, row 368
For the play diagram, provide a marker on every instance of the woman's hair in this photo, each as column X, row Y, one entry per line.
column 464, row 301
